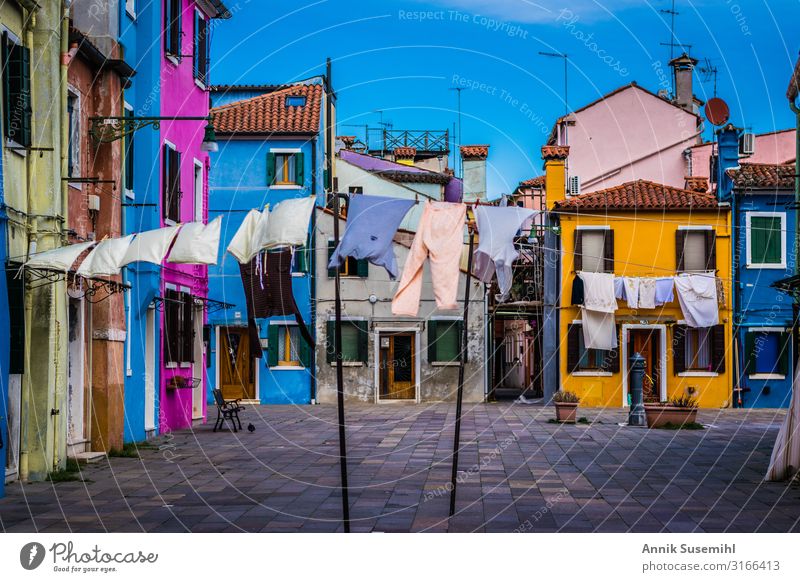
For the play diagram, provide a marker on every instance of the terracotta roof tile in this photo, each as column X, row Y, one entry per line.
column 639, row 195
column 270, row 114
column 537, row 182
column 763, row 176
column 405, row 152
column 474, row 152
column 697, row 183
column 555, row 152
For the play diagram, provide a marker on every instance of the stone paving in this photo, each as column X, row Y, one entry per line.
column 519, row 472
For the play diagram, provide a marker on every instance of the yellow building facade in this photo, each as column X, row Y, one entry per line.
column 643, row 229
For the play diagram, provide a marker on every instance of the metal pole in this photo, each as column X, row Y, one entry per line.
column 636, row 415
column 337, row 340
column 462, row 361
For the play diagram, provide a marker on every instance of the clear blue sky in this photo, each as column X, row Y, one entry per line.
column 403, row 57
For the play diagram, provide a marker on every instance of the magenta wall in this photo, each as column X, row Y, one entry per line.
column 182, row 96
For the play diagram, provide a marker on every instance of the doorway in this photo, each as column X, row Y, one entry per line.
column 235, row 364
column 76, row 378
column 650, row 342
column 198, row 388
column 397, row 366
column 150, row 371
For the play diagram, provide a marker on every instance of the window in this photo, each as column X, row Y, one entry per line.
column 16, row 316
column 355, row 341
column 695, row 249
column 594, row 250
column 766, row 240
column 285, row 169
column 698, row 349
column 767, row 352
column 130, row 8
column 295, row 101
column 200, row 52
column 300, row 259
column 128, row 153
column 178, row 327
column 171, row 185
column 351, row 267
column 355, row 190
column 444, row 340
column 74, row 120
column 286, row 347
column 198, row 191
column 16, row 91
column 172, row 27
column 583, row 359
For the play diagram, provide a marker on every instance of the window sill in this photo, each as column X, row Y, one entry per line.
column 173, row 59
column 200, row 84
column 446, row 364
column 593, row 373
column 775, row 266
column 287, row 368
column 169, row 222
column 186, row 364
column 131, row 15
column 767, row 377
column 349, row 364
column 75, row 185
column 299, row 274
column 286, row 187
column 13, row 146
column 697, row 374
column 171, row 365
column 130, row 194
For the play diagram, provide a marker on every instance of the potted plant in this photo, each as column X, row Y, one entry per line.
column 566, row 406
column 679, row 411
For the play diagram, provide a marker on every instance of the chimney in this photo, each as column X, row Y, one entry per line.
column 474, row 169
column 727, row 158
column 682, row 73
column 696, row 184
column 555, row 173
column 405, row 155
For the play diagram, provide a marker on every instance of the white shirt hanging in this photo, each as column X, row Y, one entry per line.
column 697, row 295
column 106, row 258
column 150, row 246
column 60, row 259
column 288, row 222
column 251, row 236
column 197, row 243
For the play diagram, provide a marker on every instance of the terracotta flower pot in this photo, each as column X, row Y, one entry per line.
column 566, row 411
column 659, row 415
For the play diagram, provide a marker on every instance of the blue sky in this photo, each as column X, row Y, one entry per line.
column 403, row 57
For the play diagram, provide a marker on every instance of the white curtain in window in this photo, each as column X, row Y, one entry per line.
column 60, row 259
column 150, row 246
column 593, row 250
column 106, row 258
column 698, row 349
column 288, row 223
column 251, row 236
column 694, row 251
column 197, row 243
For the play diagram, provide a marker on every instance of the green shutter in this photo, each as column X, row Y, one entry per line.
column 749, row 352
column 432, row 331
column 785, row 347
column 765, row 240
column 299, row 169
column 4, row 53
column 331, row 248
column 460, row 331
column 305, row 351
column 363, row 341
column 351, row 350
column 329, row 347
column 270, row 169
column 301, row 259
column 273, row 337
column 362, row 268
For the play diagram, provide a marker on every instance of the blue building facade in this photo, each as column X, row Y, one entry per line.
column 764, row 226
column 264, row 163
column 139, row 34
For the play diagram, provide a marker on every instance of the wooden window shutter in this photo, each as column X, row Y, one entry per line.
column 331, row 248
column 175, row 168
column 24, row 99
column 718, row 348
column 165, row 183
column 578, row 251
column 16, row 317
column 462, row 347
column 301, row 259
column 573, row 347
column 680, row 242
column 785, row 347
column 432, row 335
column 273, row 337
column 750, row 352
column 299, row 169
column 711, row 250
column 188, row 328
column 270, row 169
column 608, row 251
column 4, row 66
column 171, row 326
column 611, row 361
column 362, row 268
column 305, row 351
column 679, row 349
column 330, row 348
column 363, row 340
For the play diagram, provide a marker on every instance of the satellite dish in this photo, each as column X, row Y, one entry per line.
column 717, row 111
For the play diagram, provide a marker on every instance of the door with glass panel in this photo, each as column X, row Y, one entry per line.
column 397, row 373
column 236, row 369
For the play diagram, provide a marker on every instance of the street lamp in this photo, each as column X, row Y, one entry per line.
column 110, row 129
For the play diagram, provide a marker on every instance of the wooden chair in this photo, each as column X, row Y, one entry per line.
column 227, row 410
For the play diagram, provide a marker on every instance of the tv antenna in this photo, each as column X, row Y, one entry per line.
column 708, row 72
column 672, row 40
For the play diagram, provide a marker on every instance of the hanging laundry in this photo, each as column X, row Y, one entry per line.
column 440, row 235
column 197, row 243
column 496, row 252
column 150, row 246
column 632, row 291
column 577, row 291
column 647, row 293
column 372, row 222
column 720, row 292
column 619, row 287
column 251, row 236
column 105, row 260
column 59, row 259
column 664, row 290
column 597, row 313
column 697, row 295
column 288, row 223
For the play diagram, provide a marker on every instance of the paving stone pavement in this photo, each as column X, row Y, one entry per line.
column 519, row 472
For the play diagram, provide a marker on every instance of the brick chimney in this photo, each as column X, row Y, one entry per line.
column 474, row 164
column 682, row 74
column 555, row 173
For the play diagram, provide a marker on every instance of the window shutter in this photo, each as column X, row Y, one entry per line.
column 299, row 169
column 461, row 345
column 16, row 317
column 362, row 268
column 175, row 166
column 785, row 347
column 4, row 66
column 301, row 259
column 171, row 327
column 718, row 349
column 573, row 347
column 363, row 340
column 608, row 251
column 270, row 169
column 711, row 250
column 305, row 351
column 578, row 252
column 330, row 352
column 25, row 95
column 680, row 241
column 432, row 333
column 331, row 248
column 750, row 353
column 165, row 186
column 188, row 328
column 613, row 357
column 679, row 349
column 273, row 337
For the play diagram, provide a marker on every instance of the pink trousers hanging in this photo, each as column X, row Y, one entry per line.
column 440, row 236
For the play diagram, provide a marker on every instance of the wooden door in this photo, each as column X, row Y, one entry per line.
column 398, row 367
column 645, row 342
column 236, row 369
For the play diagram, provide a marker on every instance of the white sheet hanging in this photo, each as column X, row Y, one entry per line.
column 197, row 243
column 697, row 295
column 106, row 258
column 288, row 222
column 60, row 259
column 251, row 236
column 785, row 460
column 150, row 246
column 597, row 312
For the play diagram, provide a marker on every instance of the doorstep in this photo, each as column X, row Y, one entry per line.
column 88, row 457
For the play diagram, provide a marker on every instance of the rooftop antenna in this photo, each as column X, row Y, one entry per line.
column 385, row 126
column 564, row 56
column 672, row 40
column 708, row 71
column 458, row 91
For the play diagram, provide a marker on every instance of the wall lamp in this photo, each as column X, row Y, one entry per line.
column 110, row 129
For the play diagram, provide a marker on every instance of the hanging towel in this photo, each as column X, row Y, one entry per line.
column 577, row 290
column 664, row 290
column 372, row 222
column 197, row 243
column 106, row 258
column 58, row 259
column 251, row 236
column 597, row 313
column 150, row 246
column 288, row 223
column 647, row 293
column 619, row 287
column 632, row 291
column 440, row 235
column 497, row 227
column 697, row 295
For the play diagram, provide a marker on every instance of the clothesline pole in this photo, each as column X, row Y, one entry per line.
column 337, row 340
column 462, row 361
